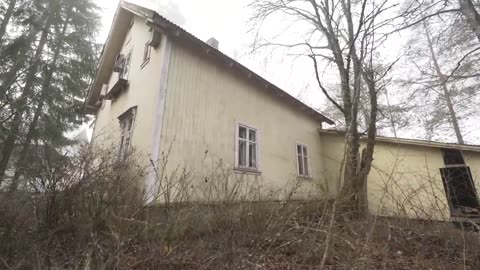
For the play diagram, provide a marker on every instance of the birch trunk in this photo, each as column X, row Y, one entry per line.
column 442, row 78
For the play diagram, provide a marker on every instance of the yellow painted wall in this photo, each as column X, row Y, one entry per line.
column 205, row 101
column 405, row 180
column 142, row 92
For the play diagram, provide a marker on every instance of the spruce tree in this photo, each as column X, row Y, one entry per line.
column 53, row 84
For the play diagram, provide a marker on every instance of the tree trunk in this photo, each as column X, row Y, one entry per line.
column 367, row 153
column 9, row 143
column 20, row 164
column 471, row 15
column 392, row 119
column 353, row 193
column 443, row 84
column 6, row 19
column 21, row 60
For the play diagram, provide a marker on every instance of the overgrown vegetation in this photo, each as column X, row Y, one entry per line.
column 88, row 212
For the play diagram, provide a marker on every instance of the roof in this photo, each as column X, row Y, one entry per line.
column 160, row 23
column 413, row 142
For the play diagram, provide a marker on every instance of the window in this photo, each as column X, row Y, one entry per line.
column 146, row 53
column 453, row 157
column 126, row 67
column 127, row 122
column 302, row 161
column 122, row 65
column 247, row 148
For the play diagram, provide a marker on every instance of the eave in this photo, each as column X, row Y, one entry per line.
column 412, row 142
column 162, row 24
column 175, row 32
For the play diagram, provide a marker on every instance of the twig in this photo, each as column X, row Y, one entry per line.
column 459, row 63
column 329, row 235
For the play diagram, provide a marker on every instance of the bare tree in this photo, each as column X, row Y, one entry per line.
column 344, row 34
column 6, row 18
column 442, row 70
column 442, row 80
column 471, row 15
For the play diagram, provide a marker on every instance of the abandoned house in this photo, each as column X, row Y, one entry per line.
column 160, row 90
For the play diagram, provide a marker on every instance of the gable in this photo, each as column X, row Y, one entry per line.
column 173, row 31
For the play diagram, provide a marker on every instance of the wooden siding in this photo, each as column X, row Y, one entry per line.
column 405, row 180
column 205, row 101
column 144, row 84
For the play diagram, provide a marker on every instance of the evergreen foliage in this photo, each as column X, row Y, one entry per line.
column 48, row 56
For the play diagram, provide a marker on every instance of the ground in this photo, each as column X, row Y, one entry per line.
column 298, row 237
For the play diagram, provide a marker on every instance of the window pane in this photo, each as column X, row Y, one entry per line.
column 252, row 135
column 127, row 145
column 300, row 165
column 146, row 51
column 121, row 147
column 124, row 127
column 242, row 132
column 242, row 153
column 299, row 150
column 305, row 165
column 129, row 124
column 126, row 67
column 252, row 155
column 305, row 151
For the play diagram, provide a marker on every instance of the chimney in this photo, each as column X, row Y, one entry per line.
column 213, row 42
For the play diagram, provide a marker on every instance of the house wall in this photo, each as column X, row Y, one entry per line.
column 205, row 101
column 143, row 91
column 405, row 180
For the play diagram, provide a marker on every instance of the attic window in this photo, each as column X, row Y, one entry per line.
column 122, row 65
column 146, row 53
column 453, row 157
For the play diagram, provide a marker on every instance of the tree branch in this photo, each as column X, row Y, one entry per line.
column 325, row 92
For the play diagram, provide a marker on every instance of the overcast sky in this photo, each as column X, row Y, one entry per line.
column 227, row 21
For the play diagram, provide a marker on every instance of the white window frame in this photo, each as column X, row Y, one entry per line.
column 306, row 173
column 126, row 135
column 247, row 141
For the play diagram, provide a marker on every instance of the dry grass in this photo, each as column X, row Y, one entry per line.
column 294, row 237
column 93, row 218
